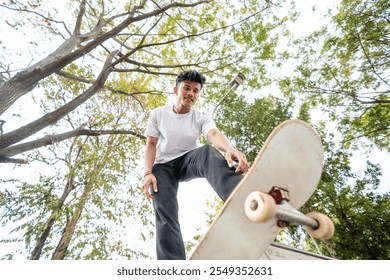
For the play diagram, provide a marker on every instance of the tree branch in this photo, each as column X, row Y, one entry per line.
column 369, row 100
column 366, row 54
column 12, row 160
column 79, row 19
column 8, row 152
column 26, row 131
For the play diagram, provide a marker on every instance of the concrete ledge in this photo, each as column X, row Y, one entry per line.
column 278, row 251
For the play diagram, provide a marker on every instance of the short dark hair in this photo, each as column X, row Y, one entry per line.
column 192, row 76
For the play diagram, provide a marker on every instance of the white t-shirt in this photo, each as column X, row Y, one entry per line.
column 177, row 133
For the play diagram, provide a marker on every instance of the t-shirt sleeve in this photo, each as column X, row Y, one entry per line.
column 152, row 127
column 207, row 124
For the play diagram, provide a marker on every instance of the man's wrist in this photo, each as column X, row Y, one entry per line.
column 148, row 173
column 232, row 149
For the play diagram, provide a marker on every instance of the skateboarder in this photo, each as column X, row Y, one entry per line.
column 173, row 154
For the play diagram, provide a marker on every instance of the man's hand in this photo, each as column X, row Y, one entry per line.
column 150, row 180
column 235, row 155
column 220, row 141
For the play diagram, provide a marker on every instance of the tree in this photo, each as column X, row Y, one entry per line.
column 352, row 201
column 342, row 72
column 248, row 124
column 349, row 75
column 83, row 207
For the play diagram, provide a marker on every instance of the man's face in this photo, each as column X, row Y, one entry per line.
column 187, row 93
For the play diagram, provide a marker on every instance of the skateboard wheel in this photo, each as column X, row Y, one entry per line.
column 259, row 207
column 325, row 228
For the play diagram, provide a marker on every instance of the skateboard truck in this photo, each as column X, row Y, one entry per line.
column 279, row 194
column 281, row 198
column 261, row 207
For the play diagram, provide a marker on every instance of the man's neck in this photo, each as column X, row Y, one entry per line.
column 180, row 109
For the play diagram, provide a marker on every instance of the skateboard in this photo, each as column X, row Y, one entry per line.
column 282, row 178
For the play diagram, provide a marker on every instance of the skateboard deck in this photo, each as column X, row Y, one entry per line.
column 292, row 159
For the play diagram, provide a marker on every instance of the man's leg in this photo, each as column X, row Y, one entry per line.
column 169, row 240
column 209, row 163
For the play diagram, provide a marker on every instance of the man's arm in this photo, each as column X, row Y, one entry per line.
column 150, row 156
column 220, row 141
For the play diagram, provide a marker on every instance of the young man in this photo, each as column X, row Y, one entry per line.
column 173, row 154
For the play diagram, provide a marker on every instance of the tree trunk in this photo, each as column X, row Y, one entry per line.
column 36, row 254
column 62, row 247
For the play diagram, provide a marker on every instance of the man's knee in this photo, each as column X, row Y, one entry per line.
column 212, row 153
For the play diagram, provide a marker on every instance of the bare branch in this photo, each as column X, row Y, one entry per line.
column 17, row 135
column 80, row 16
column 12, row 160
column 51, row 139
column 45, row 18
column 30, row 11
column 87, row 81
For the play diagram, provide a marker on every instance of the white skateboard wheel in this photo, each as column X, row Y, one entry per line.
column 325, row 228
column 259, row 207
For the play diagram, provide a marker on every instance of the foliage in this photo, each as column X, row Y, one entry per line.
column 352, row 201
column 350, row 198
column 346, row 79
column 248, row 124
column 93, row 176
column 349, row 76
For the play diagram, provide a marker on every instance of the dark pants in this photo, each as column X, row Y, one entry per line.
column 204, row 162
